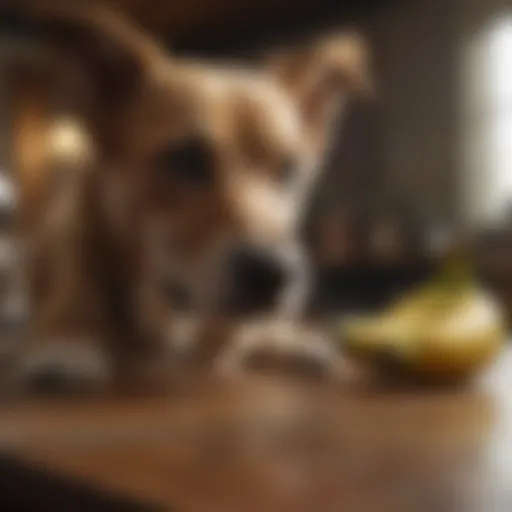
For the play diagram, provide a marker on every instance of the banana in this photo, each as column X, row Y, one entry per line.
column 449, row 328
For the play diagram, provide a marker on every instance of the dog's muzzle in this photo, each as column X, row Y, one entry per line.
column 259, row 281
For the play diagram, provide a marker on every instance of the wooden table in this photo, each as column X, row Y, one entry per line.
column 274, row 444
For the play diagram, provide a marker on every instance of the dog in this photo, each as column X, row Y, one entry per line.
column 195, row 183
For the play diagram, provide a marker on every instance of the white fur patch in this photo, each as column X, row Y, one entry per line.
column 282, row 338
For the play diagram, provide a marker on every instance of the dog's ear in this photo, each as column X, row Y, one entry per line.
column 321, row 74
column 116, row 54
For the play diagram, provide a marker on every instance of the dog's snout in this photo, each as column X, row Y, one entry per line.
column 258, row 270
column 256, row 279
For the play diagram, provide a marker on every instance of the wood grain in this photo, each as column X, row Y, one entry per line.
column 267, row 443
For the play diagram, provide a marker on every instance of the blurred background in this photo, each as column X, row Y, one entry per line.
column 408, row 173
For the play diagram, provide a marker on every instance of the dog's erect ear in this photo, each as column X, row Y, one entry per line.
column 323, row 73
column 113, row 52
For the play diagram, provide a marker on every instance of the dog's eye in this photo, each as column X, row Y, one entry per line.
column 190, row 161
column 288, row 172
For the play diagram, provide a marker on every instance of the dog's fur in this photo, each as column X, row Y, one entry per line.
column 107, row 237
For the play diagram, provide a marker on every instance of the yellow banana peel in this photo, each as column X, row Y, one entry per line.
column 449, row 328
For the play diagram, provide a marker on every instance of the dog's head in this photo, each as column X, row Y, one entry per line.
column 211, row 165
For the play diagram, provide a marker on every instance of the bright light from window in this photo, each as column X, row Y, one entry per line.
column 499, row 64
column 489, row 124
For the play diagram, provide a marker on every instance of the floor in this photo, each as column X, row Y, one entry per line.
column 265, row 443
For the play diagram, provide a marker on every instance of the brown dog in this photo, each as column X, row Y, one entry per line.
column 199, row 177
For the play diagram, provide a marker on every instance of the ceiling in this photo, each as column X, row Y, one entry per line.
column 226, row 25
column 220, row 26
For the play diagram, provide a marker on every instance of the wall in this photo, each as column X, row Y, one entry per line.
column 415, row 61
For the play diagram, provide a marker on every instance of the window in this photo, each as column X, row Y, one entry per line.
column 488, row 124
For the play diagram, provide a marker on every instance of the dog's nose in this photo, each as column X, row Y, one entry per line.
column 256, row 279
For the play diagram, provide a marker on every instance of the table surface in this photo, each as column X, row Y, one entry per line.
column 264, row 443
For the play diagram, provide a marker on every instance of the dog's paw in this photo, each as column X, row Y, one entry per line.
column 282, row 346
column 63, row 366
